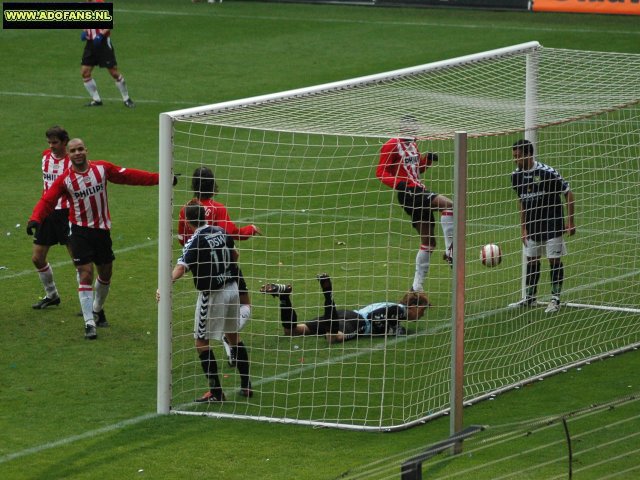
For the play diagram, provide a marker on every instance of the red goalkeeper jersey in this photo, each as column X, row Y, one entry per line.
column 215, row 214
column 87, row 193
column 52, row 168
column 400, row 161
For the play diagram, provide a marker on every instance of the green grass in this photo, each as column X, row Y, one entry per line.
column 69, row 409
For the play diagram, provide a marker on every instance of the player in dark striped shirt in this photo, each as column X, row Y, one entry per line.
column 540, row 189
column 341, row 325
column 211, row 257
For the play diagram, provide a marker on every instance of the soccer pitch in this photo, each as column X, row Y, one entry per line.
column 71, row 409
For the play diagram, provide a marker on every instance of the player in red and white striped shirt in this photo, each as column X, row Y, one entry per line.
column 98, row 50
column 55, row 227
column 84, row 185
column 400, row 167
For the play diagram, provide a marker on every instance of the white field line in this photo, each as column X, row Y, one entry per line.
column 84, row 97
column 340, row 359
column 418, row 24
column 74, row 438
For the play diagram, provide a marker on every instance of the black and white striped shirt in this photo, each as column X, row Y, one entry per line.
column 209, row 256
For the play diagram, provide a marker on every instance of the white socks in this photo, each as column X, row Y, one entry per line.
column 122, row 86
column 446, row 222
column 46, row 277
column 85, row 293
column 92, row 88
column 245, row 315
column 101, row 292
column 423, row 260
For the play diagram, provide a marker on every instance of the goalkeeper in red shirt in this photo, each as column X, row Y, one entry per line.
column 400, row 167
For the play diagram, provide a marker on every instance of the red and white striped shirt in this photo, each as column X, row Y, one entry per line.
column 87, row 192
column 400, row 161
column 52, row 168
column 92, row 33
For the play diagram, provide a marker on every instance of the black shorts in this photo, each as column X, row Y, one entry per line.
column 242, row 285
column 102, row 55
column 54, row 230
column 90, row 245
column 347, row 322
column 418, row 205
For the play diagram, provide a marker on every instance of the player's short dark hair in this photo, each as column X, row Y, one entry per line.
column 203, row 183
column 525, row 146
column 57, row 132
column 194, row 214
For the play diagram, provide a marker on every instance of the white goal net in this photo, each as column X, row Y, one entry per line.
column 301, row 165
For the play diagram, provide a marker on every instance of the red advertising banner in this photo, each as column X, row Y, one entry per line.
column 621, row 7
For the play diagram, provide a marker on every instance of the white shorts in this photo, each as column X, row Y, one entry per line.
column 217, row 312
column 553, row 248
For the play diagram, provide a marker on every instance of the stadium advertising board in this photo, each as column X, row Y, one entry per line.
column 621, row 7
column 492, row 4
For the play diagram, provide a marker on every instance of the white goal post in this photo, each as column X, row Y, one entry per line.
column 301, row 165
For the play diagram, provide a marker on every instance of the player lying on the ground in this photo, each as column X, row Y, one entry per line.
column 342, row 325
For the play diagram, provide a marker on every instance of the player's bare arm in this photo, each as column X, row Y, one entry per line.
column 523, row 224
column 571, row 226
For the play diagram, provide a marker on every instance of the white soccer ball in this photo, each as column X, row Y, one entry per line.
column 491, row 255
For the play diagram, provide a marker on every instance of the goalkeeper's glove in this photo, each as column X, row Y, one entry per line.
column 32, row 227
column 97, row 39
column 83, row 36
column 433, row 157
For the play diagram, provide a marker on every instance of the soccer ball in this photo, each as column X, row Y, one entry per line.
column 491, row 255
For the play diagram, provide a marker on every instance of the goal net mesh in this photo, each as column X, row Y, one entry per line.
column 301, row 166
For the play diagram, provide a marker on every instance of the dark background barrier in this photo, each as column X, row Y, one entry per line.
column 491, row 4
column 485, row 4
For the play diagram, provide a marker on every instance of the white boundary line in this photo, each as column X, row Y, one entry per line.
column 75, row 438
column 84, row 97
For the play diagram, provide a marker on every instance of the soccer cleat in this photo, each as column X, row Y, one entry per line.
column 276, row 289
column 526, row 302
column 246, row 392
column 46, row 302
column 448, row 258
column 230, row 351
column 101, row 319
column 129, row 103
column 94, row 103
column 90, row 332
column 554, row 305
column 325, row 282
column 210, row 397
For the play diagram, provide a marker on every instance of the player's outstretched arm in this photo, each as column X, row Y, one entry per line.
column 129, row 176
